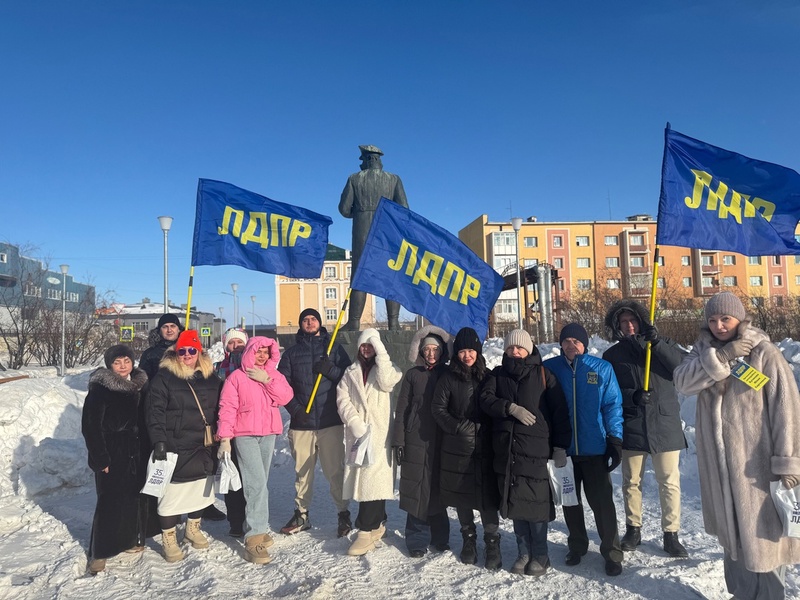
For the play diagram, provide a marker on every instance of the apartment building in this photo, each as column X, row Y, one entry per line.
column 620, row 255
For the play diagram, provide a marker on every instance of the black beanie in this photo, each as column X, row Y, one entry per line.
column 310, row 312
column 467, row 339
column 116, row 352
column 168, row 318
column 575, row 331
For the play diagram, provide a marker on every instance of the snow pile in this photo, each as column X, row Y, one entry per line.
column 47, row 494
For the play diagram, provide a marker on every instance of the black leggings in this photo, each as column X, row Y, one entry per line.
column 170, row 522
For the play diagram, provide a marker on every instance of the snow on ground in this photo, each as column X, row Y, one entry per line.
column 47, row 498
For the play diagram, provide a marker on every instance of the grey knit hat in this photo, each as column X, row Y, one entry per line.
column 725, row 303
column 519, row 337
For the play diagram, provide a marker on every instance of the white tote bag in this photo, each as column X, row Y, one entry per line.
column 227, row 479
column 562, row 483
column 358, row 455
column 159, row 474
column 787, row 502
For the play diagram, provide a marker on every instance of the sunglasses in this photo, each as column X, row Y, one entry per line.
column 190, row 350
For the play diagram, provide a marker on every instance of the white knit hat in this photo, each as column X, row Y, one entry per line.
column 518, row 337
column 234, row 333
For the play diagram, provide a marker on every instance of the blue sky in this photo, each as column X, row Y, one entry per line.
column 111, row 111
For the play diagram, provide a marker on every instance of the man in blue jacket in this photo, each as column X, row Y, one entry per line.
column 318, row 434
column 595, row 409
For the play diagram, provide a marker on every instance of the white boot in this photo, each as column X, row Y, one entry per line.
column 169, row 541
column 363, row 543
column 195, row 535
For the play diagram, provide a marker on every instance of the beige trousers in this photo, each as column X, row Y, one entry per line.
column 666, row 467
column 307, row 447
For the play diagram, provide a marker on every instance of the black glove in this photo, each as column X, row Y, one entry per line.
column 649, row 333
column 398, row 454
column 613, row 455
column 159, row 451
column 323, row 366
column 642, row 398
column 465, row 427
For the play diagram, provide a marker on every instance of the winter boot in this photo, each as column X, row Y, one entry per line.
column 299, row 522
column 673, row 546
column 194, row 534
column 96, row 565
column 169, row 542
column 632, row 538
column 255, row 549
column 378, row 533
column 538, row 566
column 493, row 559
column 363, row 543
column 345, row 526
column 519, row 565
column 469, row 552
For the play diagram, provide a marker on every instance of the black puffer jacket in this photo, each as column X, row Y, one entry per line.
column 296, row 365
column 521, row 452
column 655, row 427
column 466, row 473
column 173, row 416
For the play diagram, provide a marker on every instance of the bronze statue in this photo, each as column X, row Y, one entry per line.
column 359, row 201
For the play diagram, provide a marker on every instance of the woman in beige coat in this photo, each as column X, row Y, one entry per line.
column 745, row 438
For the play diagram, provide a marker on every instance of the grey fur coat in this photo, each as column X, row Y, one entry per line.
column 745, row 439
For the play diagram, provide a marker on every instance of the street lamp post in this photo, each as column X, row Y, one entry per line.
column 235, row 287
column 166, row 223
column 64, row 269
column 516, row 223
column 253, row 300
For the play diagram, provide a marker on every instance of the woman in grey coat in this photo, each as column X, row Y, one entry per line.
column 745, row 439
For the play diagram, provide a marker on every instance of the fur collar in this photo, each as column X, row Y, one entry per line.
column 176, row 367
column 106, row 378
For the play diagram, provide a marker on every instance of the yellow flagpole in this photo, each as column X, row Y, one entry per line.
column 330, row 347
column 649, row 350
column 189, row 299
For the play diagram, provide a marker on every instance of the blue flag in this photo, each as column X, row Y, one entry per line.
column 236, row 227
column 428, row 270
column 715, row 199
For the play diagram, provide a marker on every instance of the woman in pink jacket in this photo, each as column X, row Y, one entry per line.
column 248, row 413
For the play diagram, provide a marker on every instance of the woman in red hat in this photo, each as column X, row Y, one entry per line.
column 182, row 400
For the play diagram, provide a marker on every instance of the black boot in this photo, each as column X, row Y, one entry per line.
column 493, row 559
column 469, row 553
column 673, row 546
column 344, row 525
column 632, row 538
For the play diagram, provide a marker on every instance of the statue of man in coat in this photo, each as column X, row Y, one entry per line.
column 359, row 201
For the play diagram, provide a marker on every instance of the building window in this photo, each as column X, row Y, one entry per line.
column 685, row 261
column 558, row 263
column 776, row 260
column 582, row 240
column 530, row 242
column 660, row 261
column 32, row 290
column 3, row 257
column 728, row 259
column 330, row 272
column 584, row 263
column 706, row 260
column 797, row 279
column 779, row 301
column 757, row 302
column 504, row 239
column 637, row 261
column 530, row 262
column 558, row 241
column 349, row 271
column 729, row 281
column 584, row 284
column 637, row 240
column 611, row 240
column 756, row 280
column 330, row 314
column 141, row 326
column 797, row 260
column 612, row 284
column 687, row 282
column 707, row 282
column 560, row 285
column 330, row 293
column 777, row 280
column 506, row 307
column 501, row 262
column 660, row 282
column 72, row 296
column 53, row 294
column 612, row 261
column 753, row 260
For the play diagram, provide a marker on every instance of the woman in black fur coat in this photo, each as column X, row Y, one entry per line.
column 110, row 426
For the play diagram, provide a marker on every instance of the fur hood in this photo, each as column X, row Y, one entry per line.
column 612, row 317
column 106, row 378
column 254, row 344
column 414, row 348
column 177, row 368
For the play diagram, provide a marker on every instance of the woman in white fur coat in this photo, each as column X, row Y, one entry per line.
column 364, row 402
column 745, row 439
